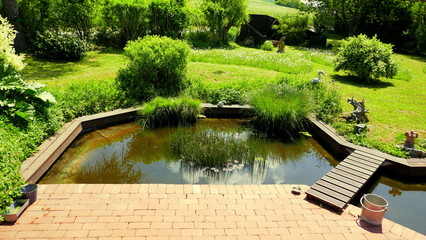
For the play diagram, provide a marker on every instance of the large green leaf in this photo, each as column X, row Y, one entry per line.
column 25, row 111
column 46, row 97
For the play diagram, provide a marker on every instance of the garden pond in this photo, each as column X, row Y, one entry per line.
column 127, row 153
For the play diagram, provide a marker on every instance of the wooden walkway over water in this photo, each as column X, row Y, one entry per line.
column 342, row 183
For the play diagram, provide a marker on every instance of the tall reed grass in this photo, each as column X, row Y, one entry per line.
column 169, row 112
column 281, row 109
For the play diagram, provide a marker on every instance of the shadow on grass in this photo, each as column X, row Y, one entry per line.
column 354, row 81
column 43, row 69
column 40, row 69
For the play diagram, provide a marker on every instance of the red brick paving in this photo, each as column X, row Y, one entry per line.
column 173, row 212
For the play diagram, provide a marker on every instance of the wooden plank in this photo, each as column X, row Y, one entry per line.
column 325, row 198
column 340, row 183
column 362, row 157
column 363, row 161
column 345, row 180
column 368, row 155
column 359, row 169
column 364, row 169
column 335, row 188
column 331, row 193
column 354, row 172
column 358, row 164
column 348, row 175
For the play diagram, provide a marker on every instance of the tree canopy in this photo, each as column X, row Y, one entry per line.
column 221, row 15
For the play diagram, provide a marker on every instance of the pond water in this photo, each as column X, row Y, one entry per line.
column 127, row 154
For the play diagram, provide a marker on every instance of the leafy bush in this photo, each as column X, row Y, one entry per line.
column 157, row 67
column 169, row 111
column 19, row 100
column 85, row 98
column 366, row 58
column 281, row 109
column 293, row 28
column 58, row 46
column 16, row 145
column 267, row 46
column 8, row 58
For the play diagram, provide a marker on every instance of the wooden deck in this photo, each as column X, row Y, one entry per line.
column 342, row 183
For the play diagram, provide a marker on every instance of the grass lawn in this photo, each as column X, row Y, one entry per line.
column 262, row 7
column 396, row 105
column 270, row 9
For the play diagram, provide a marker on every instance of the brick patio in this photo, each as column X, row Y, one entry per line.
column 159, row 211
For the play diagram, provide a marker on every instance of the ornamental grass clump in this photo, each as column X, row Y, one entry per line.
column 281, row 109
column 169, row 112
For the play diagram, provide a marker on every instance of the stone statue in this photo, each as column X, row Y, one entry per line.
column 409, row 141
column 281, row 45
column 359, row 113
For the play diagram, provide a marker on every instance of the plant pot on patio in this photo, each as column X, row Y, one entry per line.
column 15, row 210
column 30, row 191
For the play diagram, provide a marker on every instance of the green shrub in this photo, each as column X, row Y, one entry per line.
column 267, row 46
column 366, row 58
column 281, row 109
column 8, row 58
column 85, row 98
column 157, row 67
column 19, row 100
column 169, row 112
column 293, row 28
column 59, row 46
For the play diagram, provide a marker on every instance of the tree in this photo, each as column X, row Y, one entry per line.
column 221, row 15
column 386, row 19
column 10, row 9
column 366, row 58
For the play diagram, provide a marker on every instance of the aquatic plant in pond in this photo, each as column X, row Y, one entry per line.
column 281, row 109
column 214, row 150
column 169, row 112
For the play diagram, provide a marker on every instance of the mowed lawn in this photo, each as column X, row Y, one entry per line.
column 396, row 105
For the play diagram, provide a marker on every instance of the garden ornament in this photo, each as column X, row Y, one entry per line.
column 409, row 141
column 359, row 113
column 281, row 45
column 316, row 80
column 221, row 104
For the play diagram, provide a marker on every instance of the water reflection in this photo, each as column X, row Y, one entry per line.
column 111, row 167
